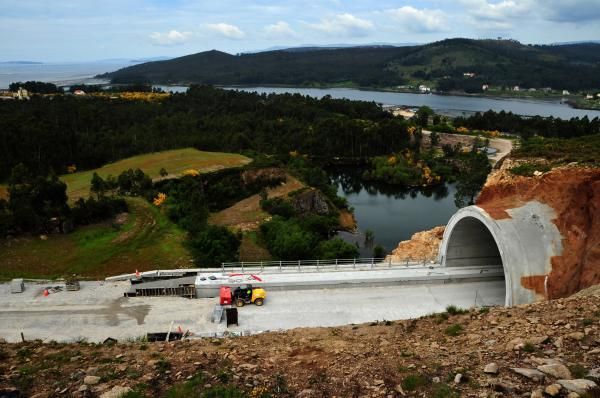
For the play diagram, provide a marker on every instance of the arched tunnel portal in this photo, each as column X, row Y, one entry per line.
column 522, row 243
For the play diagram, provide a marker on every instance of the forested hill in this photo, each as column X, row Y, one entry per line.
column 441, row 65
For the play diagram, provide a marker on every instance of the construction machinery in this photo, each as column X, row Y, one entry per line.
column 248, row 294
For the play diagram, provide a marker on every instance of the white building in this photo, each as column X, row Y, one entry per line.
column 566, row 92
column 22, row 94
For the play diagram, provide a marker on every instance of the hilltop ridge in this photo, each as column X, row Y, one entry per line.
column 451, row 64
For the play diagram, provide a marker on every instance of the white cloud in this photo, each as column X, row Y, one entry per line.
column 279, row 30
column 501, row 12
column 344, row 25
column 227, row 30
column 171, row 38
column 420, row 21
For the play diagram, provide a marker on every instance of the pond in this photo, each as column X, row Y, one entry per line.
column 392, row 213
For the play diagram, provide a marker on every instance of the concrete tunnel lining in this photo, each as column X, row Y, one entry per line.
column 522, row 243
column 469, row 240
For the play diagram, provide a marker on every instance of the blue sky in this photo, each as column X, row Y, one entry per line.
column 67, row 30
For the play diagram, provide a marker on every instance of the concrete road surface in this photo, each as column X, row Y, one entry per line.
column 99, row 309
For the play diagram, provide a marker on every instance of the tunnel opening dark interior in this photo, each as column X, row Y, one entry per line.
column 471, row 244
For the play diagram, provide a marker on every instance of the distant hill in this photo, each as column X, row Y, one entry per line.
column 440, row 64
column 21, row 62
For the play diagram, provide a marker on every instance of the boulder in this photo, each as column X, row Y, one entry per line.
column 558, row 371
column 579, row 386
column 91, row 380
column 116, row 392
column 491, row 368
column 537, row 394
column 553, row 390
column 532, row 374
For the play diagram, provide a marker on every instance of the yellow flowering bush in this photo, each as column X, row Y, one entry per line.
column 191, row 172
column 160, row 199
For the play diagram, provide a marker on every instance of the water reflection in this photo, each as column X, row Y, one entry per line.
column 350, row 181
column 392, row 212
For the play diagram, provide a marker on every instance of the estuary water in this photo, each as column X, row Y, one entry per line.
column 451, row 105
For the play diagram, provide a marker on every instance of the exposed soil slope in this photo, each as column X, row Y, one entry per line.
column 574, row 194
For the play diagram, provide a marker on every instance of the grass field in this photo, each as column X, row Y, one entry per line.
column 175, row 162
column 147, row 240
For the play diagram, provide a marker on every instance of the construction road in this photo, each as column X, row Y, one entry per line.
column 99, row 309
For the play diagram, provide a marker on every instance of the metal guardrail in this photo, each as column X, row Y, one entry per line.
column 352, row 263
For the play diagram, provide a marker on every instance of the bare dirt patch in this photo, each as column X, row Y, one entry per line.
column 246, row 215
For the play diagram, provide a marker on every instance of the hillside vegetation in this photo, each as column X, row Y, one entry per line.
column 494, row 62
column 174, row 162
column 145, row 240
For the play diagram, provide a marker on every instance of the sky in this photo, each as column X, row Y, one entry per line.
column 86, row 30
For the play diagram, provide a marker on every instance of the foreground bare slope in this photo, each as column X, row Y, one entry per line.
column 552, row 343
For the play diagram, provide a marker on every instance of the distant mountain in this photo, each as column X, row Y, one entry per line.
column 449, row 65
column 150, row 59
column 317, row 47
column 22, row 62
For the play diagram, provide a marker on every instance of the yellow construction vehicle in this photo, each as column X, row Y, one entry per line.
column 248, row 294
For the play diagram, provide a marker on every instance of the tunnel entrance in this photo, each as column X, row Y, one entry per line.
column 471, row 243
column 468, row 241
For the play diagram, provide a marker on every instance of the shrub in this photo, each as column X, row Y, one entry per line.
column 528, row 347
column 527, row 169
column 412, row 382
column 278, row 207
column 454, row 330
column 454, row 310
column 442, row 390
column 578, row 371
column 87, row 211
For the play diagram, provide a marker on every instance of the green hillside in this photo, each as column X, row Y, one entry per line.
column 441, row 64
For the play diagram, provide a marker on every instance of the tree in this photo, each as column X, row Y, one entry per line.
column 336, row 248
column 422, row 115
column 214, row 245
column 33, row 202
column 435, row 139
column 378, row 251
column 369, row 238
column 474, row 172
column 97, row 186
column 163, row 172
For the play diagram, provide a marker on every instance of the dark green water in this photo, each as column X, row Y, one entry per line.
column 393, row 213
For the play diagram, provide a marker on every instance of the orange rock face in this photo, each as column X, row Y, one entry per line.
column 574, row 193
column 422, row 246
